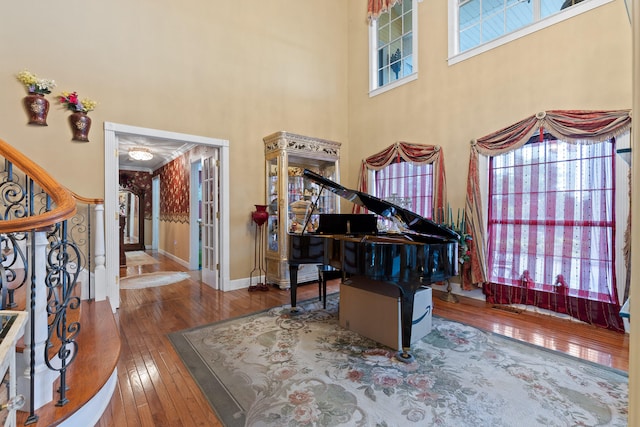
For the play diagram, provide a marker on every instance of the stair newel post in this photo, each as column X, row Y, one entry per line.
column 35, row 380
column 100, row 272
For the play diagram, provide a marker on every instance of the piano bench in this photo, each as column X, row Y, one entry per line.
column 326, row 272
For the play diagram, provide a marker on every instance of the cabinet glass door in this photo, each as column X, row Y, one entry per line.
column 304, row 193
column 272, row 197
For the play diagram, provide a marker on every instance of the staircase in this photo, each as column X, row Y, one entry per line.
column 52, row 265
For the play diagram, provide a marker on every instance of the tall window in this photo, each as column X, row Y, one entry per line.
column 481, row 22
column 393, row 46
column 407, row 185
column 551, row 218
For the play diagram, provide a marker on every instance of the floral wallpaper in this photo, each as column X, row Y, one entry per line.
column 137, row 180
column 174, row 190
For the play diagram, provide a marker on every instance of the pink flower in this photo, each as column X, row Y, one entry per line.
column 386, row 378
column 299, row 397
column 306, row 414
column 420, row 381
column 284, row 373
column 355, row 375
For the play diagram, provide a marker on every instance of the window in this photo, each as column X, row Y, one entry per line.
column 480, row 25
column 408, row 186
column 393, row 53
column 551, row 222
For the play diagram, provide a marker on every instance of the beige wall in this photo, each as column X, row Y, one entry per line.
column 582, row 63
column 235, row 70
column 172, row 239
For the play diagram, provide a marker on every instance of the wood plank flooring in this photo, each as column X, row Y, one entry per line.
column 155, row 389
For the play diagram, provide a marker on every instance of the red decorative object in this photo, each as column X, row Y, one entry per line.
column 80, row 125
column 260, row 215
column 37, row 108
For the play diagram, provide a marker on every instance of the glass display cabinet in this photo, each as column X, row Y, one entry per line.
column 290, row 197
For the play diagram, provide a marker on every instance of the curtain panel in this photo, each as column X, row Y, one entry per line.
column 415, row 154
column 572, row 126
column 376, row 7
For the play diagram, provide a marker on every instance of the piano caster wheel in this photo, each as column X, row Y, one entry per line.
column 405, row 357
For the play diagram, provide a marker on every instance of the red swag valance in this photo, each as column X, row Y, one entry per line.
column 376, row 7
column 413, row 153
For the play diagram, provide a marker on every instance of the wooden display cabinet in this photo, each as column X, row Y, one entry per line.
column 290, row 195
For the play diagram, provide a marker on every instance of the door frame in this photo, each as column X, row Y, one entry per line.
column 112, row 133
column 194, row 216
column 155, row 212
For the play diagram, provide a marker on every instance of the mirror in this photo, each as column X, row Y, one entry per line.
column 132, row 219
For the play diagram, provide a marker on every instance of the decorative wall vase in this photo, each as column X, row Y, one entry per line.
column 80, row 125
column 37, row 108
column 260, row 215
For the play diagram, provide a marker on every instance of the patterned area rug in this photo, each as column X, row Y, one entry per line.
column 150, row 280
column 277, row 369
column 135, row 258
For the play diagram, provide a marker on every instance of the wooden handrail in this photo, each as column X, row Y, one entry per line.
column 87, row 200
column 65, row 204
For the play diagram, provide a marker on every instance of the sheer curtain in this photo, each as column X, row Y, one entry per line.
column 574, row 127
column 415, row 154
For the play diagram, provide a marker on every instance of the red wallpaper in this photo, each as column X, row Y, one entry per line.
column 137, row 180
column 174, row 190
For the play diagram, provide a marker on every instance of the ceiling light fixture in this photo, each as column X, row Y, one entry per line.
column 140, row 153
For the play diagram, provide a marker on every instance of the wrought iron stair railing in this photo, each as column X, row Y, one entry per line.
column 46, row 242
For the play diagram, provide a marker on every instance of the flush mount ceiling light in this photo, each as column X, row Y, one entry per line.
column 140, row 153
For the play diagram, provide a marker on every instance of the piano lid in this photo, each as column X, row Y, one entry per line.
column 410, row 220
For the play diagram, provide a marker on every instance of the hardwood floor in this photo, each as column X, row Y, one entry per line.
column 155, row 389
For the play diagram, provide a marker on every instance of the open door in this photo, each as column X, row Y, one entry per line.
column 210, row 228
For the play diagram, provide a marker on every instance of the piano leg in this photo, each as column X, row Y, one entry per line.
column 293, row 283
column 407, row 297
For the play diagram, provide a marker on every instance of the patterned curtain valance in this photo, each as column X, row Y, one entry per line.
column 574, row 126
column 376, row 7
column 416, row 154
column 568, row 125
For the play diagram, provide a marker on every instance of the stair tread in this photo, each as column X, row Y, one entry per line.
column 98, row 354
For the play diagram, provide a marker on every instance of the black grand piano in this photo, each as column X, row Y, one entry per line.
column 422, row 253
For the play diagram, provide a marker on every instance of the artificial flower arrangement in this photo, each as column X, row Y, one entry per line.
column 464, row 252
column 464, row 239
column 72, row 102
column 34, row 84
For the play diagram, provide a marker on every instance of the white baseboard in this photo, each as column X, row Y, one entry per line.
column 180, row 261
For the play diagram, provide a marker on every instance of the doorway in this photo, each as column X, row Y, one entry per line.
column 155, row 212
column 113, row 132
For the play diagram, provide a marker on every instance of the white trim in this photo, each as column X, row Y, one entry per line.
column 174, row 258
column 155, row 212
column 455, row 57
column 373, row 63
column 194, row 215
column 112, row 132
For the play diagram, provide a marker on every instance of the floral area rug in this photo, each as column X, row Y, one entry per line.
column 277, row 369
column 151, row 280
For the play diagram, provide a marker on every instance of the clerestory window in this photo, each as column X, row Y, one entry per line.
column 393, row 47
column 476, row 26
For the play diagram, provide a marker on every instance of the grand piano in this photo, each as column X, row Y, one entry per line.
column 420, row 253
